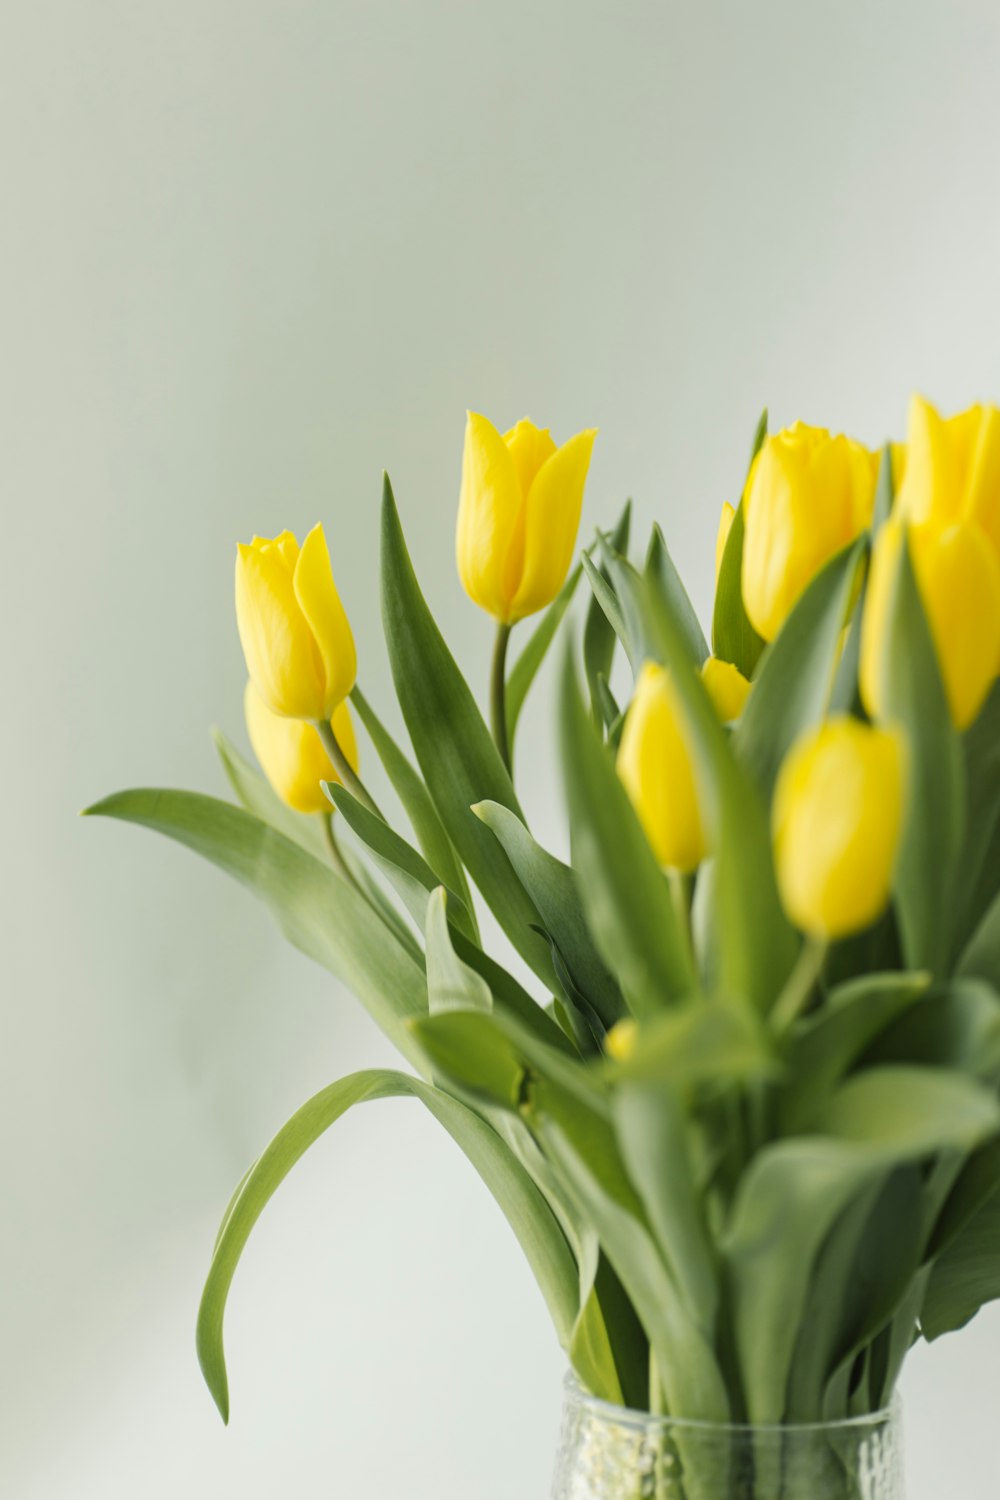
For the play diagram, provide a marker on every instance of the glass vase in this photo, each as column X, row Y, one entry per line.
column 609, row 1453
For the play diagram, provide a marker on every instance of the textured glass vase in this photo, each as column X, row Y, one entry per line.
column 608, row 1453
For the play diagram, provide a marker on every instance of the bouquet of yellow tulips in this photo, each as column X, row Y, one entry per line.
column 744, row 1116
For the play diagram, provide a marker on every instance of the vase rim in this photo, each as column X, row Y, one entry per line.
column 631, row 1417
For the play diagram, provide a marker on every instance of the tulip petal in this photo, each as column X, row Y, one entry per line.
column 281, row 653
column 551, row 522
column 290, row 754
column 932, row 481
column 529, row 446
column 490, row 519
column 959, row 579
column 982, row 495
column 722, row 535
column 324, row 614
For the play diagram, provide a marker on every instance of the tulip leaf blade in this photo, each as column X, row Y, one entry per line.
column 966, row 1275
column 625, row 895
column 933, row 832
column 794, row 1192
column 256, row 794
column 530, row 659
column 553, row 888
column 321, row 914
column 430, row 833
column 599, row 630
column 663, row 577
column 528, row 1214
column 454, row 749
column 795, row 674
column 751, row 944
column 733, row 637
column 452, row 984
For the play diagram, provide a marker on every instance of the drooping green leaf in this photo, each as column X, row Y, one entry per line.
column 451, row 984
column 552, row 887
column 430, row 832
column 625, row 896
column 932, row 839
column 915, row 1110
column 977, row 1181
column 453, row 746
column 795, row 674
column 320, row 913
column 953, row 1026
column 981, row 956
column 664, row 579
column 525, row 669
column 598, row 631
column 526, row 1210
column 750, row 936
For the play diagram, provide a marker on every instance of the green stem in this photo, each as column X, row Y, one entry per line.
column 680, row 895
column 348, row 776
column 800, row 984
column 336, row 854
column 498, row 693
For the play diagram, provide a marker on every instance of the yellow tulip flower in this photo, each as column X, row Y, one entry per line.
column 291, row 754
column 951, row 469
column 518, row 515
column 958, row 577
column 727, row 688
column 837, row 820
column 655, row 764
column 296, row 637
column 808, row 494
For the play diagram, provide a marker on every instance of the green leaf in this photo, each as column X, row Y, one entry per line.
column 651, row 1129
column 584, row 1149
column 606, row 600
column 552, row 887
column 955, row 1026
column 750, row 937
column 932, row 838
column 793, row 1193
column 451, row 984
column 664, row 579
column 453, row 746
column 981, row 956
column 885, row 491
column 529, row 1216
column 733, row 637
column 598, row 631
column 979, row 866
column 609, row 1351
column 524, row 670
column 698, row 1042
column 966, row 1275
column 624, row 893
column 428, row 829
column 977, row 1181
column 792, row 688
column 408, row 871
column 496, row 1055
column 320, row 913
column 824, row 1046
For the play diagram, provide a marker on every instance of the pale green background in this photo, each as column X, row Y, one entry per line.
column 251, row 252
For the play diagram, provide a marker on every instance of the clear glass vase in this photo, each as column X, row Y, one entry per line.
column 608, row 1453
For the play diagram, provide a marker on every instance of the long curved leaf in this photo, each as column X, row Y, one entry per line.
column 320, row 913
column 530, row 658
column 526, row 1210
column 457, row 756
column 598, row 631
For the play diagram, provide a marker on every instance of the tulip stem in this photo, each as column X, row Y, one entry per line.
column 799, row 985
column 498, row 693
column 336, row 853
column 348, row 776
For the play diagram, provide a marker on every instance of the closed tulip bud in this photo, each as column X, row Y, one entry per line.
column 518, row 515
column 296, row 638
column 655, row 764
column 807, row 496
column 291, row 754
column 837, row 820
column 620, row 1041
column 727, row 688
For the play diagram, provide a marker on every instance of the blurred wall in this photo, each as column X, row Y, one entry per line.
column 251, row 253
